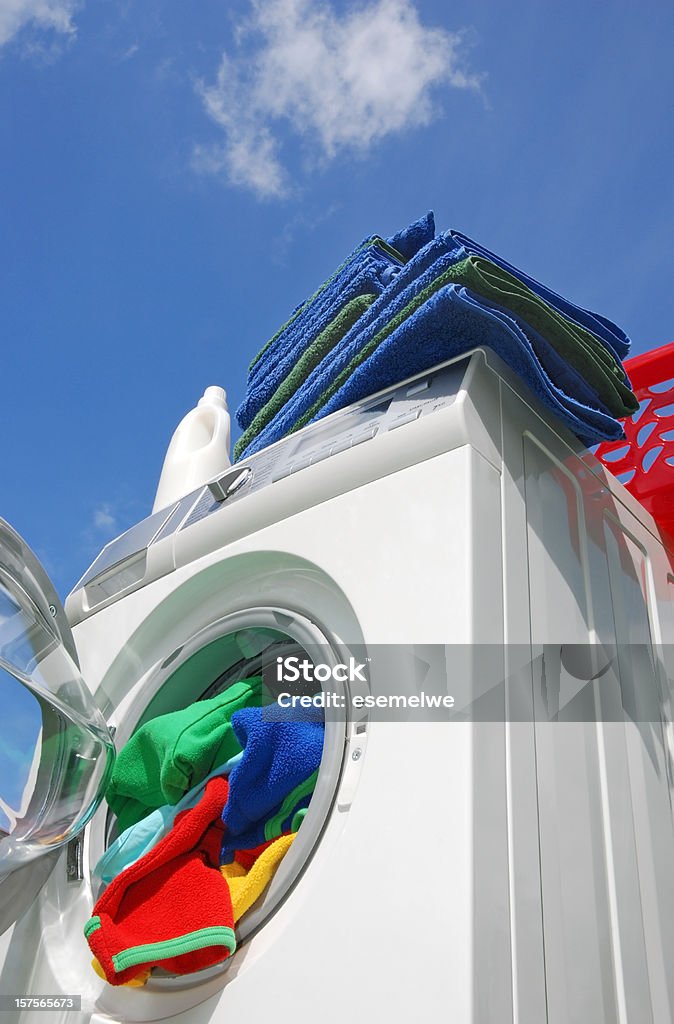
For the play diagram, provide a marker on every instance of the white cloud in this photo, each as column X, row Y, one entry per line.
column 53, row 15
column 130, row 52
column 340, row 82
column 104, row 518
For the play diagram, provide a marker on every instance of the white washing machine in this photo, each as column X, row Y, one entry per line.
column 507, row 860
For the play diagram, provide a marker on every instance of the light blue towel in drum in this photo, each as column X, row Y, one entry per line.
column 139, row 839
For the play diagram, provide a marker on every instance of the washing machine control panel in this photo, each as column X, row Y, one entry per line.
column 122, row 563
column 345, row 429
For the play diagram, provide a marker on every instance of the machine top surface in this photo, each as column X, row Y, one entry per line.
column 345, row 429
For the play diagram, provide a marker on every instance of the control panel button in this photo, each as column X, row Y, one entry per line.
column 301, row 464
column 416, row 389
column 364, row 436
column 240, row 480
column 321, row 454
column 228, row 484
column 341, row 445
column 407, row 418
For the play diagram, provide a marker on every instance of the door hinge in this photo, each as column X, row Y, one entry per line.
column 74, row 865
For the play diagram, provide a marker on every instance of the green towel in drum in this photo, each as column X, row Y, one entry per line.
column 170, row 754
column 310, row 358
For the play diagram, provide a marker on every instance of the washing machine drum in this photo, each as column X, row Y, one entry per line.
column 56, row 752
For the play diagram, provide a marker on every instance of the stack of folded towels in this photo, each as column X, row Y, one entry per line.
column 397, row 307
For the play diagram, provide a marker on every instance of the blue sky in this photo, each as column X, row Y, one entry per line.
column 175, row 177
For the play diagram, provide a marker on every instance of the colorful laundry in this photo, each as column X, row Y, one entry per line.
column 248, row 877
column 275, row 777
column 168, row 755
column 172, row 908
column 140, row 838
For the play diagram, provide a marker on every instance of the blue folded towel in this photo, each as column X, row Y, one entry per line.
column 561, row 373
column 280, row 760
column 455, row 320
column 370, row 250
column 310, row 316
column 370, row 256
column 416, row 275
column 414, row 237
column 555, row 382
column 366, row 279
column 605, row 329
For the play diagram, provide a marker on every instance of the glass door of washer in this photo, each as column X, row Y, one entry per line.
column 56, row 752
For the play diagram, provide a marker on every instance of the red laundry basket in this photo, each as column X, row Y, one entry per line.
column 644, row 461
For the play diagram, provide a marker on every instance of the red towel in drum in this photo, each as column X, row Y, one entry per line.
column 172, row 908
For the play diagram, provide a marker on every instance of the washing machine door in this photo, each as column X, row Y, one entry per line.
column 56, row 752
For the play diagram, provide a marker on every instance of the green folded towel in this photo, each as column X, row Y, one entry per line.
column 380, row 244
column 310, row 358
column 577, row 346
column 170, row 754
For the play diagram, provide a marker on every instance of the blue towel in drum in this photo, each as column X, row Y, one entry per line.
column 276, row 775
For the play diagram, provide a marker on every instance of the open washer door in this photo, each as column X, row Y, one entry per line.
column 56, row 752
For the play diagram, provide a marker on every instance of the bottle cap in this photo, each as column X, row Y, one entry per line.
column 214, row 396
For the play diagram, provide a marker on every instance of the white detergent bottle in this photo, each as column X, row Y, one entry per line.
column 199, row 449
